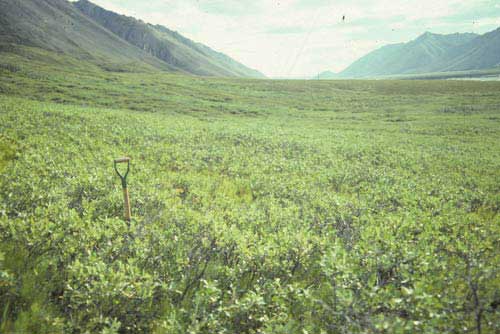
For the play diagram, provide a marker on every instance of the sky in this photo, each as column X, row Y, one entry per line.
column 301, row 38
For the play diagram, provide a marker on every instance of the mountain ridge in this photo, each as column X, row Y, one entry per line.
column 111, row 41
column 55, row 25
column 428, row 53
column 167, row 45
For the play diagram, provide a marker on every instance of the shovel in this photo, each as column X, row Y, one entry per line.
column 123, row 177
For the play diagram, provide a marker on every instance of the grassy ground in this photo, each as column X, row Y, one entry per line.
column 473, row 74
column 259, row 206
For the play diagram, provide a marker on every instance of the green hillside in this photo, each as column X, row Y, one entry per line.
column 167, row 45
column 480, row 53
column 259, row 206
column 429, row 53
column 114, row 42
column 56, row 25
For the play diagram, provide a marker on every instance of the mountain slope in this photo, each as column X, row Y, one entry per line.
column 480, row 53
column 373, row 63
column 166, row 44
column 428, row 53
column 326, row 75
column 56, row 25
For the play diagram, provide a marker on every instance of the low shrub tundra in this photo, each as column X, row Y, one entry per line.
column 280, row 207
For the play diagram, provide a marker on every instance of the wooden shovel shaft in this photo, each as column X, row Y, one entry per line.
column 126, row 200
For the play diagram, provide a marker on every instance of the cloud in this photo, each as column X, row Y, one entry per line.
column 304, row 37
column 234, row 8
column 287, row 30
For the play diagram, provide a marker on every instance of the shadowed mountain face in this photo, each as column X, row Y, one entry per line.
column 428, row 53
column 88, row 32
column 480, row 53
column 56, row 25
column 167, row 45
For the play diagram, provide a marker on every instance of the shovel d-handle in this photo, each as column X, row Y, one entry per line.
column 122, row 160
column 123, row 178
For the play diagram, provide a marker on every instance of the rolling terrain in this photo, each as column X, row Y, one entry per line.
column 259, row 206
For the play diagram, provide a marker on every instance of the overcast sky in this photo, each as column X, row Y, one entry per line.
column 296, row 38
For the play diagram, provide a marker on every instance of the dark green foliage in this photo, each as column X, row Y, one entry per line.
column 259, row 206
column 7, row 151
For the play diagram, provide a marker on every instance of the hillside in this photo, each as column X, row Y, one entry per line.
column 326, row 75
column 480, row 53
column 167, row 45
column 429, row 53
column 111, row 41
column 56, row 25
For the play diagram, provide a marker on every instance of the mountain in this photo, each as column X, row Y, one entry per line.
column 56, row 25
column 326, row 75
column 480, row 53
column 114, row 42
column 167, row 45
column 429, row 53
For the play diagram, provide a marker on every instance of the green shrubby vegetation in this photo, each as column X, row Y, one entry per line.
column 259, row 206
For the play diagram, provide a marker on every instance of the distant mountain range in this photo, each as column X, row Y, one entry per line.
column 429, row 53
column 91, row 33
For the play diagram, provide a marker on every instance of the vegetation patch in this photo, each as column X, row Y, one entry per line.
column 7, row 151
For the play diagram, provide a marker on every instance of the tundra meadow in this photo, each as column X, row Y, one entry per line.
column 259, row 206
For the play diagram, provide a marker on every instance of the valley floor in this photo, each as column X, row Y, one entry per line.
column 259, row 206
